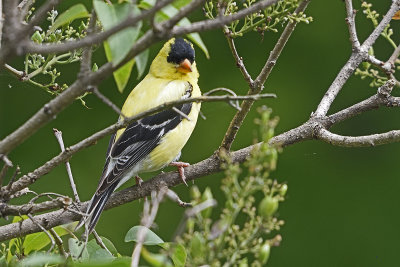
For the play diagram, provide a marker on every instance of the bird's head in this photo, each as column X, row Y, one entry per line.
column 175, row 60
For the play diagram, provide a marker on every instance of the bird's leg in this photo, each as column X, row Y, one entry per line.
column 139, row 181
column 180, row 165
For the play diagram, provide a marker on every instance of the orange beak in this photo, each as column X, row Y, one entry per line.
column 185, row 66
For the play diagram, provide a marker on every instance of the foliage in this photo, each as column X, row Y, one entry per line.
column 266, row 20
column 370, row 71
column 242, row 234
column 59, row 29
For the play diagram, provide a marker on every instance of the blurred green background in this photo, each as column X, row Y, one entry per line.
column 342, row 204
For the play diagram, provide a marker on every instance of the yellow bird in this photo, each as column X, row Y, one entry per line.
column 155, row 141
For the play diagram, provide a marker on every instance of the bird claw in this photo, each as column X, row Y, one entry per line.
column 139, row 181
column 181, row 165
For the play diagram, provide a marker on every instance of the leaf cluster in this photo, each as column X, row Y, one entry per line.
column 243, row 233
column 374, row 73
column 60, row 29
column 266, row 20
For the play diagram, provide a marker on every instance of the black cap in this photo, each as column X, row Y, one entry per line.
column 180, row 50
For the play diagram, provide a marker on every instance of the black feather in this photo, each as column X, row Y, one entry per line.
column 97, row 206
column 180, row 50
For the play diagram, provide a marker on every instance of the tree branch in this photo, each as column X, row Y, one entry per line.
column 309, row 129
column 358, row 141
column 355, row 59
column 63, row 216
column 258, row 84
column 31, row 177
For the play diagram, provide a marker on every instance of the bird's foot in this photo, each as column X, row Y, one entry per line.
column 139, row 181
column 181, row 165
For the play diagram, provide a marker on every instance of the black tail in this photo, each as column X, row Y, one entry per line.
column 95, row 208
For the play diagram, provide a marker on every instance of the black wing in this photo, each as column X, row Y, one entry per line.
column 138, row 140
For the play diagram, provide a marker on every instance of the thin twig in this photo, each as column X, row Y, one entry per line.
column 100, row 242
column 149, row 215
column 87, row 51
column 183, row 12
column 189, row 213
column 394, row 56
column 222, row 89
column 22, row 193
column 238, row 59
column 58, row 135
column 105, row 100
column 10, row 183
column 1, row 22
column 258, row 84
column 7, row 164
column 386, row 67
column 43, row 230
column 24, row 7
column 181, row 113
column 32, row 208
column 48, row 195
column 350, row 20
column 19, row 74
column 175, row 198
column 59, row 242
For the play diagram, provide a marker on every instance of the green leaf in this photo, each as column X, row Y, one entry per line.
column 75, row 12
column 177, row 253
column 109, row 16
column 15, row 241
column 119, row 262
column 77, row 249
column 37, row 241
column 141, row 62
column 196, row 39
column 150, row 239
column 170, row 11
column 37, row 37
column 97, row 253
column 109, row 245
column 180, row 3
column 146, row 4
column 197, row 246
column 121, row 75
column 40, row 259
column 156, row 260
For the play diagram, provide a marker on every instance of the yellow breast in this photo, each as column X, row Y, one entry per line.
column 152, row 92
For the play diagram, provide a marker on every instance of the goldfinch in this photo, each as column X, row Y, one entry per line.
column 155, row 141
